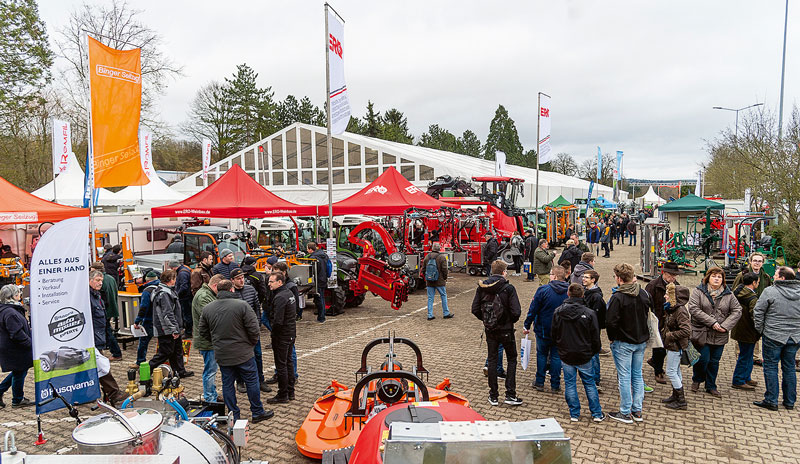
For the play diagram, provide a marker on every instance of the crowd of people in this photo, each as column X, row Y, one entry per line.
column 680, row 325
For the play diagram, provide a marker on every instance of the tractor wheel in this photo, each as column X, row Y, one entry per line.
column 506, row 256
column 396, row 260
column 334, row 301
column 352, row 300
column 413, row 284
column 472, row 271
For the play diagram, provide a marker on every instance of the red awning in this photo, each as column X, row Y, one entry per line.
column 388, row 195
column 234, row 195
column 20, row 207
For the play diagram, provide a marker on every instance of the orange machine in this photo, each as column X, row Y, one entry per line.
column 560, row 219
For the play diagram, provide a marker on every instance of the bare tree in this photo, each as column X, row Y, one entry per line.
column 117, row 26
column 588, row 169
column 563, row 163
column 210, row 116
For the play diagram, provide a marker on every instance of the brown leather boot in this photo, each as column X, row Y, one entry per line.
column 672, row 397
column 680, row 402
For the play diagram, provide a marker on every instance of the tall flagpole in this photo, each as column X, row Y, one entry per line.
column 328, row 139
column 536, row 196
column 89, row 148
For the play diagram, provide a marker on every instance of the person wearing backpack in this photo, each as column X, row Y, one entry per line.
column 322, row 278
column 497, row 305
column 434, row 271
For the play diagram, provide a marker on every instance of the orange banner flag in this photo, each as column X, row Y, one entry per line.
column 115, row 81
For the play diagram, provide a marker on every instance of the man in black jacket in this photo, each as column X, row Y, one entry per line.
column 496, row 290
column 576, row 333
column 248, row 293
column 322, row 278
column 570, row 254
column 489, row 253
column 438, row 273
column 284, row 331
column 657, row 288
column 593, row 297
column 183, row 287
column 626, row 325
column 168, row 325
column 232, row 327
column 530, row 246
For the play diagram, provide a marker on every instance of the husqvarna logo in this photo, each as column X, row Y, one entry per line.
column 378, row 188
column 412, row 190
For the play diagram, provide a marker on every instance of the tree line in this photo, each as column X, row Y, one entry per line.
column 232, row 113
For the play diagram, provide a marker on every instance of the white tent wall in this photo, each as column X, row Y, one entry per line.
column 69, row 189
column 294, row 166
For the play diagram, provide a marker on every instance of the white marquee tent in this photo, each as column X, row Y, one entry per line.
column 67, row 188
column 293, row 165
column 651, row 198
column 155, row 193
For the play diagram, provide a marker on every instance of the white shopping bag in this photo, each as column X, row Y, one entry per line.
column 103, row 364
column 525, row 352
column 655, row 336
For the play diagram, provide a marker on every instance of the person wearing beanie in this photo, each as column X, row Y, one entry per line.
column 226, row 264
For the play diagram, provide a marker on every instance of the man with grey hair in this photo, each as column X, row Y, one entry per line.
column 776, row 317
column 434, row 271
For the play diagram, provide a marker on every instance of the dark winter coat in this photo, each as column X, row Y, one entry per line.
column 284, row 311
column 543, row 261
column 631, row 227
column 657, row 288
column 571, row 254
column 322, row 268
column 167, row 316
column 490, row 251
column 627, row 313
column 109, row 293
column 575, row 332
column 577, row 272
column 676, row 330
column 183, row 284
column 146, row 302
column 498, row 285
column 605, row 237
column 98, row 318
column 232, row 327
column 249, row 295
column 705, row 313
column 224, row 269
column 593, row 235
column 441, row 263
column 777, row 312
column 764, row 279
column 15, row 339
column 546, row 299
column 745, row 329
column 530, row 247
column 111, row 263
column 200, row 275
column 202, row 298
column 594, row 300
column 257, row 280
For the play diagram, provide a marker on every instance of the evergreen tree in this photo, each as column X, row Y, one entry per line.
column 372, row 121
column 308, row 113
column 288, row 111
column 395, row 127
column 469, row 144
column 355, row 126
column 503, row 137
column 438, row 138
column 245, row 102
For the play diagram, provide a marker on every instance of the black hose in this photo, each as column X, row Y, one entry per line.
column 232, row 450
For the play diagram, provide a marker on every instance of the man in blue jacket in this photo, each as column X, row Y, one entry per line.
column 545, row 301
column 145, row 316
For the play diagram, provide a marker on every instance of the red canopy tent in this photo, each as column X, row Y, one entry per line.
column 388, row 195
column 234, row 195
column 20, row 207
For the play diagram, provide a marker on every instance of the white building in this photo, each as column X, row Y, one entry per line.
column 293, row 164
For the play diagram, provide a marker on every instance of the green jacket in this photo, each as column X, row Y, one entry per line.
column 203, row 297
column 582, row 246
column 110, row 294
column 745, row 329
column 542, row 261
column 764, row 279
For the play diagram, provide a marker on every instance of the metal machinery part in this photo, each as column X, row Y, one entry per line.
column 653, row 234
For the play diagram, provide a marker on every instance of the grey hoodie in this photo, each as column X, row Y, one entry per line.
column 777, row 312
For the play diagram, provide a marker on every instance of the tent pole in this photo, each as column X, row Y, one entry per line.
column 536, row 196
column 328, row 140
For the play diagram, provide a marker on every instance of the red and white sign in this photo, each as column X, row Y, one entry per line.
column 544, row 151
column 145, row 151
column 338, row 99
column 378, row 189
column 206, row 157
column 62, row 145
column 19, row 217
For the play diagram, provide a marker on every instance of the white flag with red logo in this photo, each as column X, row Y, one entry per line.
column 62, row 145
column 206, row 157
column 545, row 154
column 337, row 99
column 146, row 153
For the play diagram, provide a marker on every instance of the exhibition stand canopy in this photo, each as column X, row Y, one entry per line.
column 390, row 194
column 20, row 207
column 690, row 203
column 234, row 195
column 559, row 202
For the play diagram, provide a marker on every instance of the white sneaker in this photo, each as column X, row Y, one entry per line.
column 599, row 419
column 574, row 419
column 513, row 400
column 493, row 401
column 485, row 371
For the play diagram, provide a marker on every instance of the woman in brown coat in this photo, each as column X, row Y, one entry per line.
column 714, row 311
column 675, row 335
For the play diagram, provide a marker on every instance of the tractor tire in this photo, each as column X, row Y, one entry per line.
column 506, row 256
column 396, row 260
column 351, row 300
column 472, row 271
column 413, row 284
column 334, row 301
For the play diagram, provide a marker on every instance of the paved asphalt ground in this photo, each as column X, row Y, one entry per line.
column 722, row 430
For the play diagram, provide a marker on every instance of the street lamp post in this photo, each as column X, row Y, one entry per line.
column 736, row 127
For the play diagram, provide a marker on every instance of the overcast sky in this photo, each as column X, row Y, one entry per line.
column 637, row 76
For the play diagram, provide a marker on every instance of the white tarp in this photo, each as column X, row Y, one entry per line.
column 339, row 101
column 155, row 193
column 545, row 153
column 651, row 198
column 69, row 188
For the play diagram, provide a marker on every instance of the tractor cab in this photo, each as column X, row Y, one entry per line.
column 501, row 192
column 214, row 239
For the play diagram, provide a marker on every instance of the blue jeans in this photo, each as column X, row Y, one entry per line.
column 209, row 375
column 632, row 240
column 586, row 372
column 293, row 359
column 773, row 352
column 431, row 294
column 596, row 368
column 545, row 348
column 628, row 358
column 259, row 361
column 744, row 364
column 247, row 371
column 15, row 381
column 707, row 367
column 141, row 351
column 499, row 359
column 319, row 302
column 265, row 321
column 674, row 369
column 111, row 341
